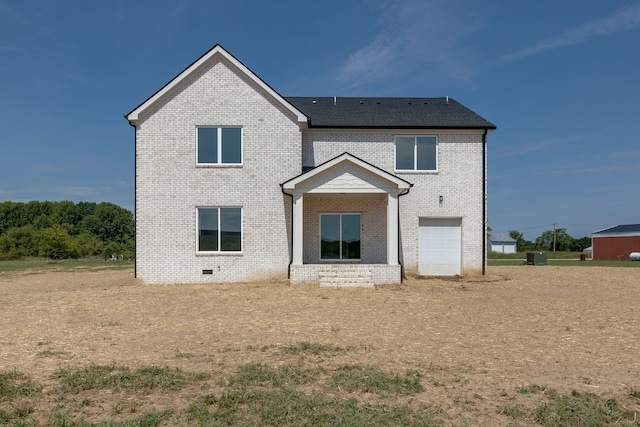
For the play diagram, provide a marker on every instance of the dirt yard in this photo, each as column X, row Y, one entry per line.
column 475, row 340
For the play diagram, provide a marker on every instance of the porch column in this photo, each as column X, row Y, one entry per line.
column 392, row 229
column 298, row 223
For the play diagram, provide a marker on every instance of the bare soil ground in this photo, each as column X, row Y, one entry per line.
column 476, row 341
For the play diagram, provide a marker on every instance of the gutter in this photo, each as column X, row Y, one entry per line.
column 135, row 197
column 291, row 243
column 484, row 202
column 399, row 245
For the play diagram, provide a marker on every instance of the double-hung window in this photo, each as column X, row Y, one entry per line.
column 219, row 229
column 219, row 145
column 416, row 153
column 340, row 236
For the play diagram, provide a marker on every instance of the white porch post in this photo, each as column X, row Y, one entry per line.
column 392, row 229
column 298, row 219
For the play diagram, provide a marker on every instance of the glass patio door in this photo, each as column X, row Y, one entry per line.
column 340, row 236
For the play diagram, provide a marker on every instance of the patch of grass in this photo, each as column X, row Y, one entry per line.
column 531, row 389
column 564, row 262
column 51, row 353
column 17, row 416
column 151, row 419
column 582, row 409
column 182, row 355
column 112, row 377
column 260, row 375
column 512, row 411
column 304, row 348
column 353, row 378
column 293, row 408
column 634, row 392
column 16, row 384
column 44, row 264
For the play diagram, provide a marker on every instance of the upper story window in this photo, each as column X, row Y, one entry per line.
column 416, row 153
column 219, row 145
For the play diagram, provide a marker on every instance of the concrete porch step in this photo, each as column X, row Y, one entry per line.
column 345, row 276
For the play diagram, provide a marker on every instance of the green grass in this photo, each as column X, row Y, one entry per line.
column 43, row 264
column 556, row 258
column 285, row 407
column 15, row 384
column 354, row 378
column 288, row 391
column 573, row 409
column 582, row 409
column 112, row 377
column 306, row 348
column 151, row 419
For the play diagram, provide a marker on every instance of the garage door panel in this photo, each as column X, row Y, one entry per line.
column 439, row 247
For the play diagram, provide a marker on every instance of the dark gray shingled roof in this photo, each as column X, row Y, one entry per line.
column 397, row 113
column 628, row 228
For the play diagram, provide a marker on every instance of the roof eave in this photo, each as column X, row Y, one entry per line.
column 479, row 128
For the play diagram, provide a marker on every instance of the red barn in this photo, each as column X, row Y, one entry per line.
column 617, row 242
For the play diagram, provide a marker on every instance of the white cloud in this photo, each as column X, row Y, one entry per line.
column 417, row 37
column 623, row 19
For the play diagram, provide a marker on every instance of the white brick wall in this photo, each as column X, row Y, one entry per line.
column 169, row 186
column 458, row 180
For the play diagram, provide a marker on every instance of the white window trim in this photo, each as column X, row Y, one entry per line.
column 338, row 260
column 415, row 155
column 219, row 153
column 219, row 252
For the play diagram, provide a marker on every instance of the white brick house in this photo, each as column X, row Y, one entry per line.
column 235, row 182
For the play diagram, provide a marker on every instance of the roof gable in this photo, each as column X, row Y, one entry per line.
column 393, row 113
column 214, row 52
column 502, row 238
column 319, row 179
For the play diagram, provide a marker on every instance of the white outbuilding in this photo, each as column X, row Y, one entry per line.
column 502, row 243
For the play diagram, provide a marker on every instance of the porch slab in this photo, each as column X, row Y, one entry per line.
column 345, row 275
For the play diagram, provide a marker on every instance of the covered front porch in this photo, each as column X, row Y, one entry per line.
column 345, row 224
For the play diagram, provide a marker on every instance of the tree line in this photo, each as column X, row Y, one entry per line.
column 563, row 241
column 60, row 230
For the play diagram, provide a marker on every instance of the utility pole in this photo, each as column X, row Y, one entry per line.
column 554, row 237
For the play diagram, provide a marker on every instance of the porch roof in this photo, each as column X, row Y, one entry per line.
column 346, row 173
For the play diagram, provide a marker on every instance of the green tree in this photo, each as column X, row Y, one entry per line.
column 66, row 214
column 519, row 238
column 18, row 242
column 56, row 243
column 562, row 240
column 579, row 245
column 88, row 245
column 116, row 224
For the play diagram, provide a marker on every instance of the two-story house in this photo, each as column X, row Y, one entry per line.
column 235, row 182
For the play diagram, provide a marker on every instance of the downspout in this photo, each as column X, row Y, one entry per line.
column 291, row 243
column 399, row 246
column 484, row 202
column 135, row 198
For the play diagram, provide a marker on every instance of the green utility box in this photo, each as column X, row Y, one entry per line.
column 536, row 258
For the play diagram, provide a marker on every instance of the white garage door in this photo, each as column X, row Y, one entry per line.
column 439, row 247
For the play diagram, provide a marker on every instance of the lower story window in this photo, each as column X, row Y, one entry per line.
column 340, row 236
column 219, row 229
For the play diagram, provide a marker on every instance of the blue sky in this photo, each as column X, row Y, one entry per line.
column 560, row 79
